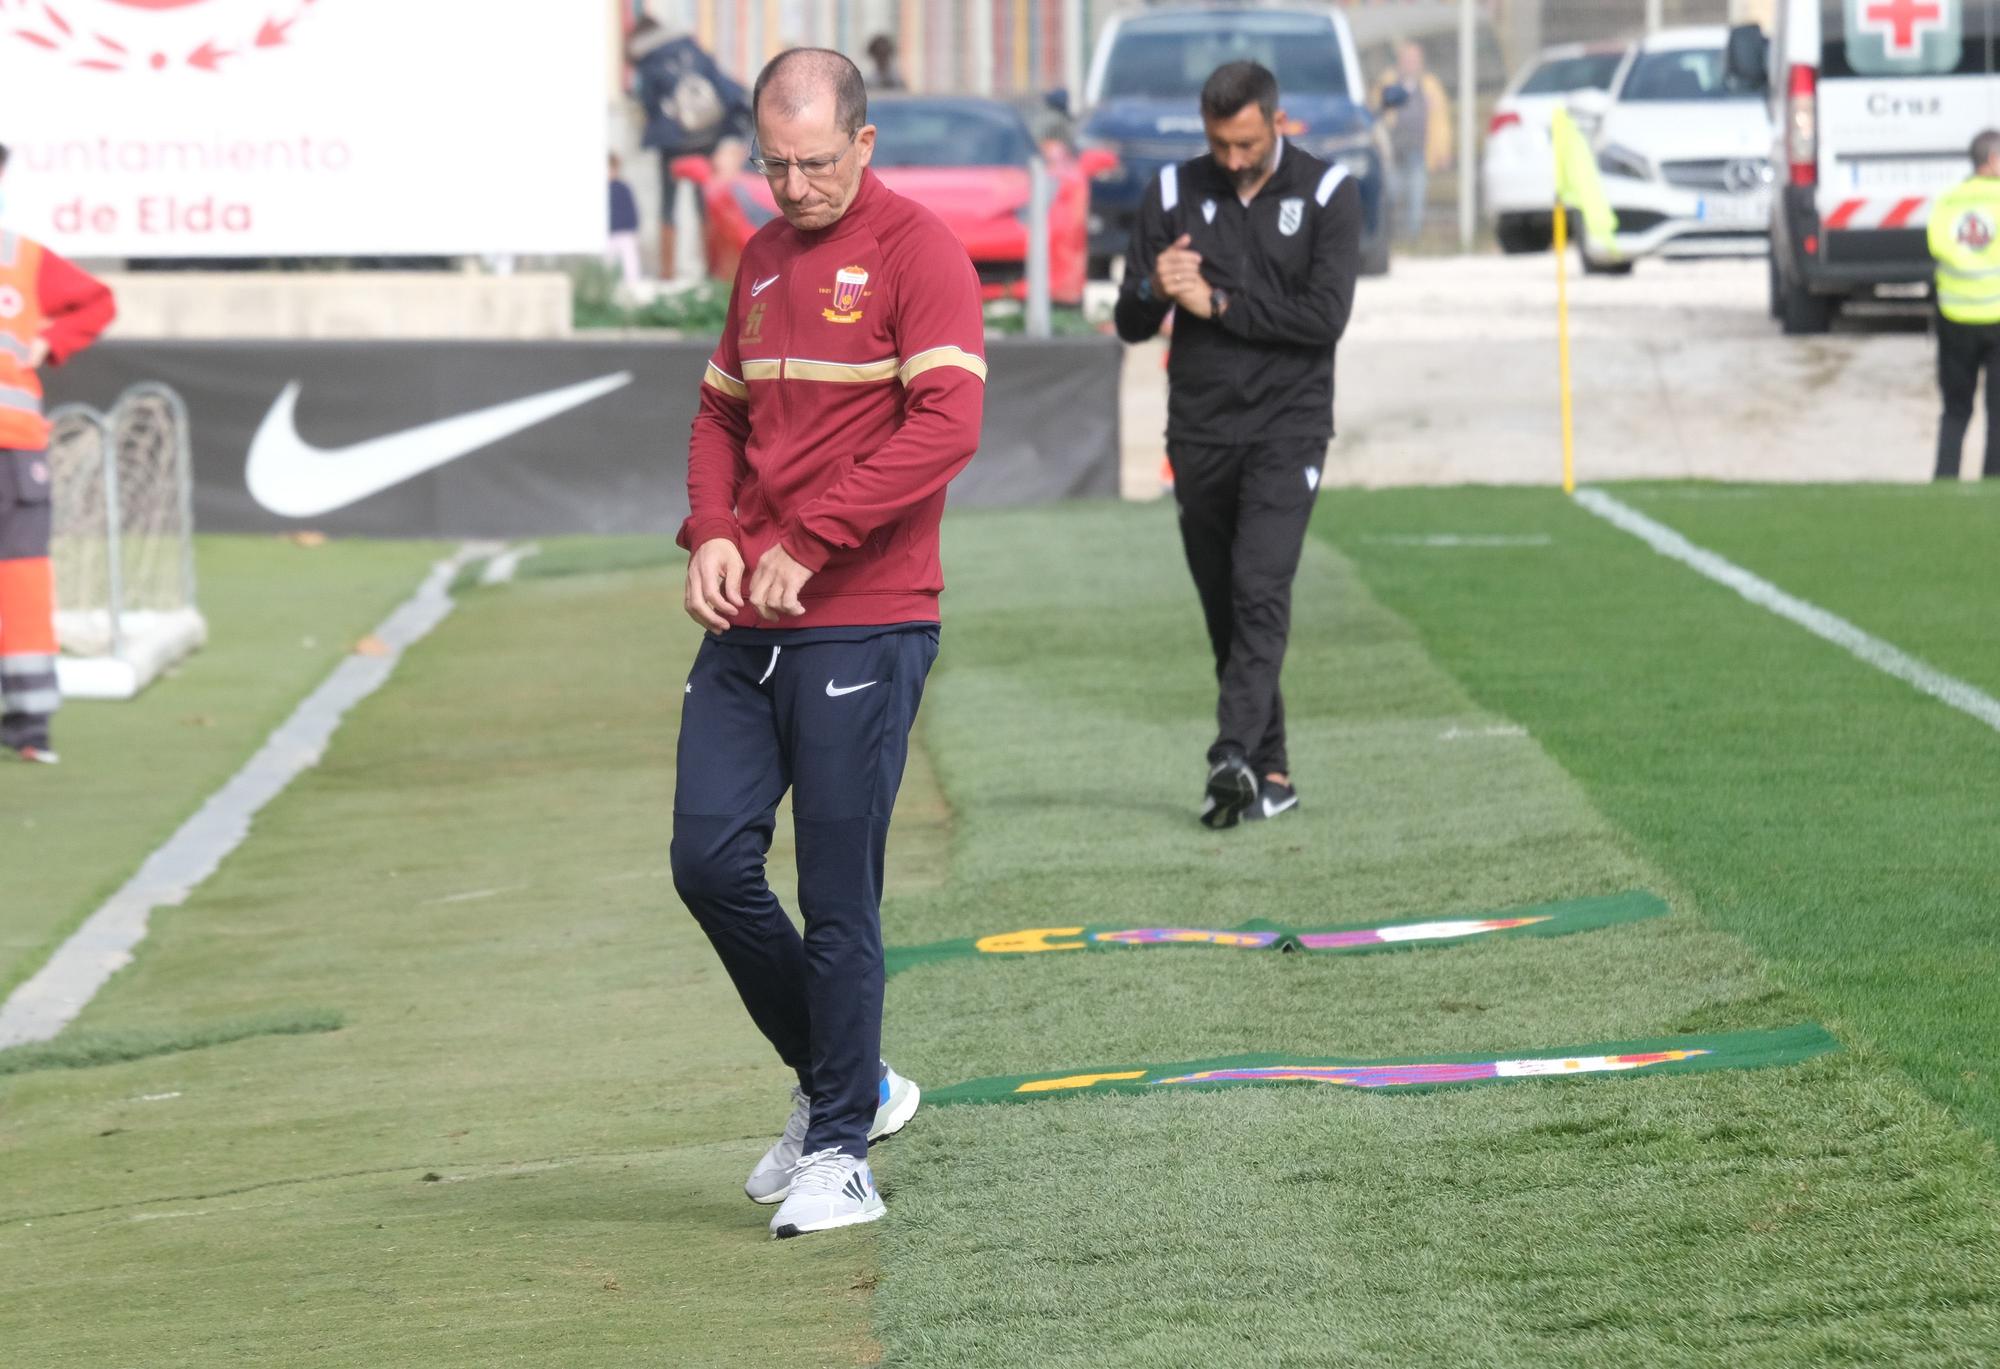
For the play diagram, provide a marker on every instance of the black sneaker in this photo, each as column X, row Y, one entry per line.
column 1273, row 800
column 1232, row 791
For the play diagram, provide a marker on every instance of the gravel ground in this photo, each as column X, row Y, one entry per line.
column 1447, row 376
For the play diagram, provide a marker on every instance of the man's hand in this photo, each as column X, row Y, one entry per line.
column 38, row 352
column 1177, row 277
column 774, row 589
column 714, row 584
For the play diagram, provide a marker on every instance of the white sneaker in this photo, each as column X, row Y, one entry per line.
column 772, row 1179
column 830, row 1189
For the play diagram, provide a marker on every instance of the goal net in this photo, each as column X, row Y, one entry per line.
column 123, row 543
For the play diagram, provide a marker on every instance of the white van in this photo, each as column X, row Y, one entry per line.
column 1874, row 104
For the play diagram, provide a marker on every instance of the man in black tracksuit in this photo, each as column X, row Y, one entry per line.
column 1255, row 246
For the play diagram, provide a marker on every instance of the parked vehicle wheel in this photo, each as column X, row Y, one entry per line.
column 1518, row 233
column 1800, row 311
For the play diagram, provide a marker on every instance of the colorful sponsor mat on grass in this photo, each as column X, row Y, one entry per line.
column 1547, row 919
column 1673, row 1055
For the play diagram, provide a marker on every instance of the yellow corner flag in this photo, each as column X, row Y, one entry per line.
column 1577, row 182
column 1578, row 187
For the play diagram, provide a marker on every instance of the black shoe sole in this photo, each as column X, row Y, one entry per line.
column 1232, row 793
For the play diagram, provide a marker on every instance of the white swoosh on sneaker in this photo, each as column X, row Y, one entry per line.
column 833, row 693
column 758, row 288
column 294, row 479
column 1271, row 810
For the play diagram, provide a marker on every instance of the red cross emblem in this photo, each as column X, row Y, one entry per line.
column 1902, row 23
column 1975, row 230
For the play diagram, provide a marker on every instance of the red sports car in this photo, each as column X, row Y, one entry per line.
column 964, row 158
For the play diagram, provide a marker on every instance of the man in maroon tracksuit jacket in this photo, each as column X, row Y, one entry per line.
column 845, row 394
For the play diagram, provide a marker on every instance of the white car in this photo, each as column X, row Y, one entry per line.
column 1517, row 168
column 1684, row 150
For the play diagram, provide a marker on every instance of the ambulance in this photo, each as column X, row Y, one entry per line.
column 1874, row 104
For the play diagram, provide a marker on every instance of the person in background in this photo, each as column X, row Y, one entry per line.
column 1254, row 248
column 690, row 106
column 1964, row 233
column 49, row 311
column 882, row 54
column 622, row 246
column 1419, row 132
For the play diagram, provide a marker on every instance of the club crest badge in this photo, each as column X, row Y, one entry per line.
column 1975, row 230
column 11, row 302
column 1208, row 211
column 1291, row 213
column 848, row 284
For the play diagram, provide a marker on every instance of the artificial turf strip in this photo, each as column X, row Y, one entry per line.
column 1837, row 819
column 1819, row 1214
column 1546, row 919
column 1417, row 1074
column 477, row 875
column 280, row 617
column 82, row 1050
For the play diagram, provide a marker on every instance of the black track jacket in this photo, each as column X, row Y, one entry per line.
column 1288, row 260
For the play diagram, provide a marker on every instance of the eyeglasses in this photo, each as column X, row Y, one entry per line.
column 812, row 168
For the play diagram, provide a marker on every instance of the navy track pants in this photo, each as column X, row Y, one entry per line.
column 830, row 721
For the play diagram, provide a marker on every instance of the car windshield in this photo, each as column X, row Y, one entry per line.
column 1172, row 63
column 1589, row 71
column 918, row 133
column 1682, row 74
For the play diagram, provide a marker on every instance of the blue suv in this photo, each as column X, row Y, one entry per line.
column 1144, row 96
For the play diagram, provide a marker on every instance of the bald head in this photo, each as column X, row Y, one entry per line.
column 799, row 78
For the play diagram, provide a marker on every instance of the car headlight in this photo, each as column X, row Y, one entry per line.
column 1614, row 160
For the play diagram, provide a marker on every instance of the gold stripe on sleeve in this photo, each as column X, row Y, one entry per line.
column 720, row 379
column 764, row 368
column 941, row 356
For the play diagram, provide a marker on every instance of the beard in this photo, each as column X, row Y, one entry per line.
column 1250, row 175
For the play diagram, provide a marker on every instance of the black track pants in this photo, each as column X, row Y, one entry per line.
column 1965, row 349
column 1244, row 511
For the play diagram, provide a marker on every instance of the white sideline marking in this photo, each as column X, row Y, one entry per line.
column 1458, row 539
column 474, row 895
column 500, row 570
column 1459, row 734
column 1890, row 660
column 103, row 945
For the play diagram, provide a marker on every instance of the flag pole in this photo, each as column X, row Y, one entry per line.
column 1562, row 344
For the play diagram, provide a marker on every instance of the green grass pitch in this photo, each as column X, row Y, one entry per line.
column 502, row 1098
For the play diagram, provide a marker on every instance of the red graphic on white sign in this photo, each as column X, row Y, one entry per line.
column 158, row 35
column 1902, row 24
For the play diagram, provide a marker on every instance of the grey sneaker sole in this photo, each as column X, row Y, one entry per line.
column 865, row 1215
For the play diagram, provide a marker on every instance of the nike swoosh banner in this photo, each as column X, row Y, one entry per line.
column 1545, row 919
column 1414, row 1074
column 523, row 439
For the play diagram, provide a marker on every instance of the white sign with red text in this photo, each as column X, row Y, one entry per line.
column 258, row 128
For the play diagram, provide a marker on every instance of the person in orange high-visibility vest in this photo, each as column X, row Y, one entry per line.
column 49, row 311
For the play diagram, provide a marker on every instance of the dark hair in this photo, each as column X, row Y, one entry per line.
column 1983, row 148
column 3, row 156
column 1236, row 84
column 818, row 68
column 881, row 47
